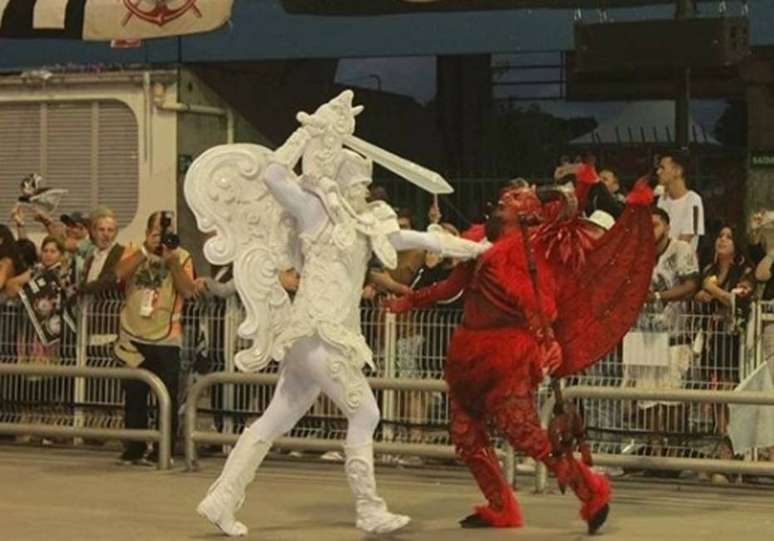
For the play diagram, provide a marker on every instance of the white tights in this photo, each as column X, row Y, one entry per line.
column 304, row 375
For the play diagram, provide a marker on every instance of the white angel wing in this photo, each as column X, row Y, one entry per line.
column 226, row 193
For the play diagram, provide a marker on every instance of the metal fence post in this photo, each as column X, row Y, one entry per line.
column 541, row 471
column 81, row 345
column 230, row 337
column 388, row 396
column 509, row 464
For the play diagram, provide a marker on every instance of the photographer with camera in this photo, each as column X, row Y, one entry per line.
column 158, row 277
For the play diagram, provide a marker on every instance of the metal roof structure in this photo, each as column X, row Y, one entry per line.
column 651, row 122
column 388, row 7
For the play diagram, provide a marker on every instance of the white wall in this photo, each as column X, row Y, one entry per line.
column 157, row 130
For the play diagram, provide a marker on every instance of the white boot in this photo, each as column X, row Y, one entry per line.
column 227, row 493
column 372, row 514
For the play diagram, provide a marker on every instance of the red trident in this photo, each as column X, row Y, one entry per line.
column 160, row 14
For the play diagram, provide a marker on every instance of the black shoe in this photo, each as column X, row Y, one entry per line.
column 474, row 521
column 599, row 518
column 153, row 459
column 132, row 459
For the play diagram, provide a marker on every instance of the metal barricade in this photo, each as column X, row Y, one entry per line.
column 161, row 436
column 193, row 435
column 664, row 463
column 407, row 347
column 705, row 352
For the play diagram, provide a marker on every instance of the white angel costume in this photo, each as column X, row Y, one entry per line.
column 268, row 220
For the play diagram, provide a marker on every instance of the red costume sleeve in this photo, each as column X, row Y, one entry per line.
column 445, row 289
column 584, row 179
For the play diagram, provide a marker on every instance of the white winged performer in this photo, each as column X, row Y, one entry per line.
column 267, row 219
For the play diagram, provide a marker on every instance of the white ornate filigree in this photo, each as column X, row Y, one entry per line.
column 372, row 513
column 224, row 189
column 328, row 126
column 327, row 306
column 378, row 221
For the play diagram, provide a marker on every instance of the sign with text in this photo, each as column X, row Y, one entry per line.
column 761, row 159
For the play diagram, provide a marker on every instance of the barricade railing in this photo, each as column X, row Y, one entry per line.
column 407, row 347
column 663, row 462
column 193, row 436
column 160, row 436
column 702, row 347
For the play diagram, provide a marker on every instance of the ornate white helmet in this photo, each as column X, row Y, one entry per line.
column 354, row 169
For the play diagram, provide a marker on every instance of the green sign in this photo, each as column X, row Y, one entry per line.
column 761, row 159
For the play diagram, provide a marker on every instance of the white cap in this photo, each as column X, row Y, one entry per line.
column 601, row 219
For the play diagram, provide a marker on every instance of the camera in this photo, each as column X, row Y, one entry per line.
column 169, row 238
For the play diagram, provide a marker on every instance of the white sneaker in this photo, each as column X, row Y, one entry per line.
column 610, row 471
column 528, row 466
column 332, row 456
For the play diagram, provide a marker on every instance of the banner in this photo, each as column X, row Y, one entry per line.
column 44, row 300
column 107, row 20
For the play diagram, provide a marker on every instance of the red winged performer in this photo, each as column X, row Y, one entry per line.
column 550, row 296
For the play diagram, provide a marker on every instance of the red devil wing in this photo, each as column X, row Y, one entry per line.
column 600, row 302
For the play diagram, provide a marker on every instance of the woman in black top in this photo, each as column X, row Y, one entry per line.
column 727, row 285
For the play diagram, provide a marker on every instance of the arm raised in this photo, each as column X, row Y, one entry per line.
column 304, row 206
column 438, row 242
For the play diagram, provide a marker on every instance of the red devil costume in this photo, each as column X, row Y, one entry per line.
column 590, row 292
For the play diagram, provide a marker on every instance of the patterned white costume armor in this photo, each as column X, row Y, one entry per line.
column 327, row 303
column 266, row 220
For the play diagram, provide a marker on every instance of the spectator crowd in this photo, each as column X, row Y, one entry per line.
column 690, row 330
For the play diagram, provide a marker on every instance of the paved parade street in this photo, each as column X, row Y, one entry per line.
column 58, row 494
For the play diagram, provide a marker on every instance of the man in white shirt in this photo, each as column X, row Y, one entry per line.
column 684, row 206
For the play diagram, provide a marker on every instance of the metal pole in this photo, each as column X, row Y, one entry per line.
column 683, row 108
column 683, row 10
column 81, row 348
column 390, row 360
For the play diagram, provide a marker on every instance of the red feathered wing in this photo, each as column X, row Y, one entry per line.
column 598, row 303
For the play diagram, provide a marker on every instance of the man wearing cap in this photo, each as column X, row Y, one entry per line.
column 73, row 229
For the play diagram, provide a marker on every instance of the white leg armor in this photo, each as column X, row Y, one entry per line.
column 227, row 493
column 372, row 513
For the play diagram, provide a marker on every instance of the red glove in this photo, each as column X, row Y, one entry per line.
column 587, row 174
column 641, row 193
column 399, row 305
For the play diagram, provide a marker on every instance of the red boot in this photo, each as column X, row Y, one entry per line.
column 502, row 510
column 591, row 488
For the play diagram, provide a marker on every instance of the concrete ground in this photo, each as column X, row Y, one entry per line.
column 77, row 494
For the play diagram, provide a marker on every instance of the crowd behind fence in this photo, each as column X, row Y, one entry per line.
column 411, row 346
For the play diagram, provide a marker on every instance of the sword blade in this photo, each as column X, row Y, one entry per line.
column 413, row 172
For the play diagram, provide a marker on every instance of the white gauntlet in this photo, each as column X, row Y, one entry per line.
column 457, row 247
column 292, row 149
